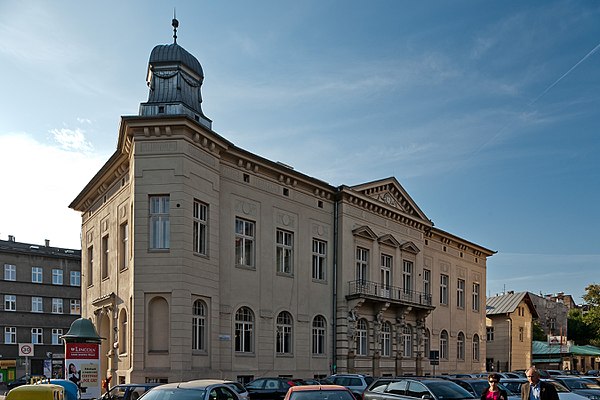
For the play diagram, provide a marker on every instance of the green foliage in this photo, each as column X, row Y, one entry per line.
column 538, row 332
column 578, row 331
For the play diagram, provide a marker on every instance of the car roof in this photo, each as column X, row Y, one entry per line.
column 303, row 388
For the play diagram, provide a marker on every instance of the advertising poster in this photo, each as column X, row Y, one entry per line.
column 82, row 364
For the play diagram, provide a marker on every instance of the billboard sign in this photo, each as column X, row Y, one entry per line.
column 82, row 364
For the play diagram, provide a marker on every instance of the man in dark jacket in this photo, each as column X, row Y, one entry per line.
column 536, row 389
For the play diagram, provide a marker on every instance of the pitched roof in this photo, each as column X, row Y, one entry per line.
column 508, row 303
column 539, row 348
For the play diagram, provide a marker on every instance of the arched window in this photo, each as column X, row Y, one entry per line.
column 443, row 345
column 319, row 333
column 158, row 325
column 407, row 340
column 386, row 339
column 362, row 332
column 284, row 333
column 475, row 347
column 199, row 325
column 123, row 333
column 427, row 342
column 244, row 330
column 460, row 346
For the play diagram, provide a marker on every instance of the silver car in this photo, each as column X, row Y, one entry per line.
column 203, row 389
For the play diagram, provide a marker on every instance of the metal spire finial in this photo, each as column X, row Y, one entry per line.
column 175, row 25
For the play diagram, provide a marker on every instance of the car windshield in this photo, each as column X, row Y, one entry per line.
column 448, row 390
column 321, row 395
column 579, row 384
column 174, row 394
column 559, row 388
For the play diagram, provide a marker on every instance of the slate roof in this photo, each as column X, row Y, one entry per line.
column 508, row 303
column 9, row 246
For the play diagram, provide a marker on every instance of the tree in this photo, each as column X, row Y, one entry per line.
column 592, row 316
column 578, row 330
column 538, row 332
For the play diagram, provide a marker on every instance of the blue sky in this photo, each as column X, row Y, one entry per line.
column 487, row 112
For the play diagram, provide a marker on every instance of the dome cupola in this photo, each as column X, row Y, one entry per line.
column 174, row 78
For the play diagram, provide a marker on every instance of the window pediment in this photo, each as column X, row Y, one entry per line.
column 389, row 240
column 364, row 232
column 410, row 247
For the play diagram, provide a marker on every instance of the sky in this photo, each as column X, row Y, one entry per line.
column 487, row 112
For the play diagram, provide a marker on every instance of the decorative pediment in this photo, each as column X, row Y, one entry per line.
column 364, row 232
column 388, row 240
column 392, row 194
column 410, row 247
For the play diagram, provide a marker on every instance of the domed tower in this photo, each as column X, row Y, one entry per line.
column 174, row 78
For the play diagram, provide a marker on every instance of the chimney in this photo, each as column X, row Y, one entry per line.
column 11, row 238
column 47, row 242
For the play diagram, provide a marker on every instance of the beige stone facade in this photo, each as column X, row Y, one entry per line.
column 509, row 331
column 200, row 259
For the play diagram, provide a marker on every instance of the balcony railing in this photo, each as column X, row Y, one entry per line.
column 362, row 288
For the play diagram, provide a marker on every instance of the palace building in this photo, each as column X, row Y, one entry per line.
column 201, row 259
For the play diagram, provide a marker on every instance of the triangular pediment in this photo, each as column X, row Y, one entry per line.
column 410, row 247
column 388, row 240
column 364, row 232
column 389, row 192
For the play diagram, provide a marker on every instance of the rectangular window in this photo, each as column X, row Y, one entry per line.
column 427, row 282
column 476, row 297
column 75, row 307
column 10, row 335
column 36, row 275
column 444, row 289
column 285, row 245
column 37, row 336
column 56, row 334
column 90, row 266
column 319, row 259
column 159, row 222
column 385, row 273
column 362, row 264
column 10, row 272
column 407, row 271
column 460, row 293
column 123, row 246
column 244, row 242
column 200, row 228
column 57, row 276
column 75, row 278
column 57, row 306
column 37, row 304
column 104, row 261
column 10, row 302
column 489, row 333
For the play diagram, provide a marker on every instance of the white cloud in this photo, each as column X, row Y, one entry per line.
column 70, row 139
column 43, row 180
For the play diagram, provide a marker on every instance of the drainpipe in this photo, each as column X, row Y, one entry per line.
column 509, row 343
column 334, row 303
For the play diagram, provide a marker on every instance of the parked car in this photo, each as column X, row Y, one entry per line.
column 356, row 383
column 269, row 388
column 203, row 389
column 24, row 380
column 514, row 385
column 319, row 392
column 72, row 391
column 36, row 392
column 580, row 385
column 476, row 386
column 239, row 389
column 407, row 388
column 127, row 391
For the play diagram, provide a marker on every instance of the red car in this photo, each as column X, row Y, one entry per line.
column 318, row 392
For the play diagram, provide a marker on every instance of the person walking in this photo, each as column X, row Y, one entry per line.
column 537, row 389
column 494, row 392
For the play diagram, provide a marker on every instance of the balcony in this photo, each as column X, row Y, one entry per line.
column 375, row 291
